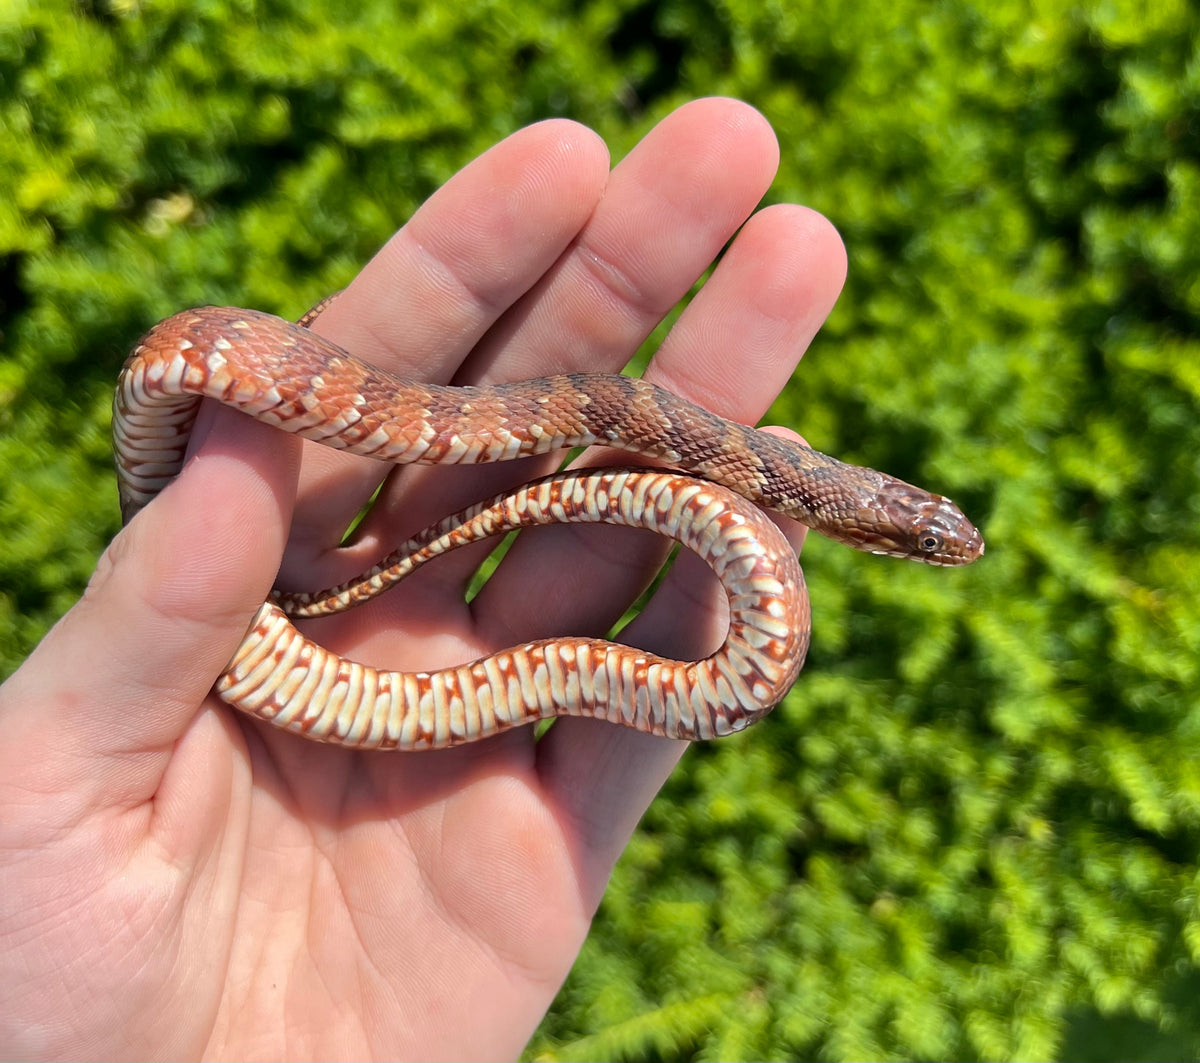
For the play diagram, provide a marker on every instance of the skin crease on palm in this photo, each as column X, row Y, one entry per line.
column 179, row 881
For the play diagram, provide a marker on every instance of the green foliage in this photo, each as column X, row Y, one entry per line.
column 972, row 829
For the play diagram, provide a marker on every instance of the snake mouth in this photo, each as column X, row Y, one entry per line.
column 941, row 560
column 976, row 551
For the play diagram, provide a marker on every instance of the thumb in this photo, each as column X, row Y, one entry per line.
column 126, row 670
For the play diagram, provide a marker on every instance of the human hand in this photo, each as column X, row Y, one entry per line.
column 180, row 881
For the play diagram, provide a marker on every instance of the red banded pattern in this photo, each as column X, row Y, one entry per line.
column 280, row 675
column 285, row 375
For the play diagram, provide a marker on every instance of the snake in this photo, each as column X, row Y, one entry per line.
column 712, row 486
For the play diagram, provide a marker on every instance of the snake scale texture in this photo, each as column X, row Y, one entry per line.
column 285, row 375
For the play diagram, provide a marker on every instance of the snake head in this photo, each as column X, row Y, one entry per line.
column 905, row 521
column 926, row 527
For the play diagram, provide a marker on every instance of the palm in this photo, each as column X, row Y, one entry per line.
column 292, row 899
column 443, row 897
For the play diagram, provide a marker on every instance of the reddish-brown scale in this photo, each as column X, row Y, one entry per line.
column 285, row 375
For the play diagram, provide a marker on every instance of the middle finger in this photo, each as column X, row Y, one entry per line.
column 668, row 209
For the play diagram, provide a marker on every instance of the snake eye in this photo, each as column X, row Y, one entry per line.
column 930, row 542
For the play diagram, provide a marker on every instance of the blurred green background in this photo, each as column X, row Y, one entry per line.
column 971, row 831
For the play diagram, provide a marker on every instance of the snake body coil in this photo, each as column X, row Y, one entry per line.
column 284, row 375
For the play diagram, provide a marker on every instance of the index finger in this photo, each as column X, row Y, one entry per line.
column 423, row 302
